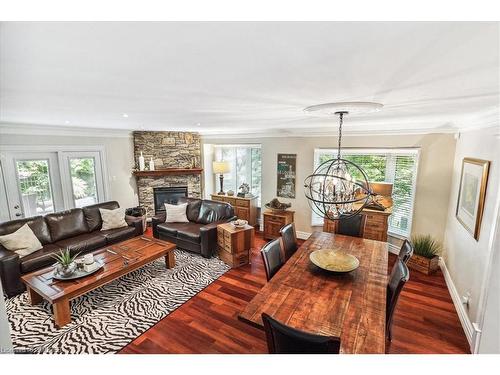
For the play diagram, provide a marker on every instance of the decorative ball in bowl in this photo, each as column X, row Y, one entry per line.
column 276, row 205
column 239, row 223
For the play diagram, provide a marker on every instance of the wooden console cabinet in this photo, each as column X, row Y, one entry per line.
column 244, row 208
column 274, row 221
column 376, row 226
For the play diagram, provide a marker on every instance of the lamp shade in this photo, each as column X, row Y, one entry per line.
column 220, row 167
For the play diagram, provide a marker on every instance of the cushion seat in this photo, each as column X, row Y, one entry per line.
column 185, row 231
column 40, row 258
column 117, row 235
column 83, row 243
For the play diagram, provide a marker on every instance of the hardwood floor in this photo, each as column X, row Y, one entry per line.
column 425, row 320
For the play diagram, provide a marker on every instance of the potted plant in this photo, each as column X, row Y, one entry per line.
column 426, row 254
column 65, row 262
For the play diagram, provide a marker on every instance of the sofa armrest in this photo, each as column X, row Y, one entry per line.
column 157, row 219
column 136, row 222
column 208, row 238
column 10, row 272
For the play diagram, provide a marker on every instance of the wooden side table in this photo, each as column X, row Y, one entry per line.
column 234, row 244
column 274, row 221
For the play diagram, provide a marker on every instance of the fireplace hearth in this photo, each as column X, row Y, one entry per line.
column 169, row 195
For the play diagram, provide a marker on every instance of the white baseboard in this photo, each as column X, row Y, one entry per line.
column 302, row 235
column 471, row 332
column 394, row 249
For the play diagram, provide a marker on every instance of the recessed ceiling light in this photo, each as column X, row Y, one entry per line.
column 198, row 124
column 67, row 122
column 125, row 115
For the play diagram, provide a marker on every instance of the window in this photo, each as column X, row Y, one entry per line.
column 246, row 165
column 398, row 166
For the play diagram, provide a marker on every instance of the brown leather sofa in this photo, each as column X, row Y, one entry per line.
column 78, row 230
column 200, row 234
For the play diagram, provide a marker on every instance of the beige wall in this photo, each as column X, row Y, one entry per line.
column 468, row 260
column 434, row 172
column 119, row 155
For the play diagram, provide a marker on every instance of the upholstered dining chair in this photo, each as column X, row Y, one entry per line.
column 289, row 237
column 282, row 339
column 272, row 256
column 405, row 252
column 351, row 226
column 397, row 280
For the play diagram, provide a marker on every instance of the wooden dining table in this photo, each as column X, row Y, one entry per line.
column 347, row 305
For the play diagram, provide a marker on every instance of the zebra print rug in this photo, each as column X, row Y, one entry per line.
column 108, row 318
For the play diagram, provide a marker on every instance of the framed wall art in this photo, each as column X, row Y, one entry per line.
column 472, row 193
column 287, row 164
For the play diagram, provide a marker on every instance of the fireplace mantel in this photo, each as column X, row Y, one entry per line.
column 167, row 172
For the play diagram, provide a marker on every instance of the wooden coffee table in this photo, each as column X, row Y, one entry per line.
column 119, row 259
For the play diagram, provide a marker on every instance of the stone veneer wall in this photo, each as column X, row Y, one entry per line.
column 168, row 150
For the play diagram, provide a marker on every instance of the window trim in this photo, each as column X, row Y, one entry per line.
column 315, row 221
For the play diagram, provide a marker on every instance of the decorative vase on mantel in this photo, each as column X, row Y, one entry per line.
column 141, row 162
column 151, row 164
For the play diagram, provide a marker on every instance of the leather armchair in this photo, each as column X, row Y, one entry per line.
column 200, row 234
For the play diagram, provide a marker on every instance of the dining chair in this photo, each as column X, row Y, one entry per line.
column 289, row 237
column 272, row 257
column 282, row 339
column 351, row 226
column 398, row 278
column 405, row 252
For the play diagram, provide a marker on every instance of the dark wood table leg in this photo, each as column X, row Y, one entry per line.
column 62, row 312
column 34, row 297
column 170, row 259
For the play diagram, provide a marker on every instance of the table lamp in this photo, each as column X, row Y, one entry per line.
column 221, row 167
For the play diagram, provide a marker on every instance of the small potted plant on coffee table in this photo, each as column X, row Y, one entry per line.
column 426, row 254
column 65, row 263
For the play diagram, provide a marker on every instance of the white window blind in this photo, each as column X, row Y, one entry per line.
column 245, row 167
column 398, row 166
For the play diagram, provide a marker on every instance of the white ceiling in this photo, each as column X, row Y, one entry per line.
column 254, row 77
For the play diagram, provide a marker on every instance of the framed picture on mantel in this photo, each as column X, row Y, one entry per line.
column 472, row 193
column 287, row 165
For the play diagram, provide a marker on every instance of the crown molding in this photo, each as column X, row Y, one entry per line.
column 32, row 129
column 331, row 133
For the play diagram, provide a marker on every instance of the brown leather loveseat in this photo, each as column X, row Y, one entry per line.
column 200, row 234
column 78, row 230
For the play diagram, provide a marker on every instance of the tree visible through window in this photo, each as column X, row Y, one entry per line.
column 395, row 166
column 245, row 164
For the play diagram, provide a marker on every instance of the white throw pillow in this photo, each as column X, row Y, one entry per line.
column 176, row 213
column 23, row 241
column 112, row 219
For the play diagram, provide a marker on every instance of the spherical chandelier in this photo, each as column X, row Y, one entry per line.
column 339, row 188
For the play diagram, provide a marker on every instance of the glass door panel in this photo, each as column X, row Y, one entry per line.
column 32, row 183
column 83, row 181
column 35, row 187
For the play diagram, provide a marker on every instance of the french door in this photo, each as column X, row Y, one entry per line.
column 38, row 183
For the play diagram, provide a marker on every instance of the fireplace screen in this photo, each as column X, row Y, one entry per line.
column 169, row 195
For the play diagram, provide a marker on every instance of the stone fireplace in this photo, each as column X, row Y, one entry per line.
column 170, row 151
column 169, row 195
